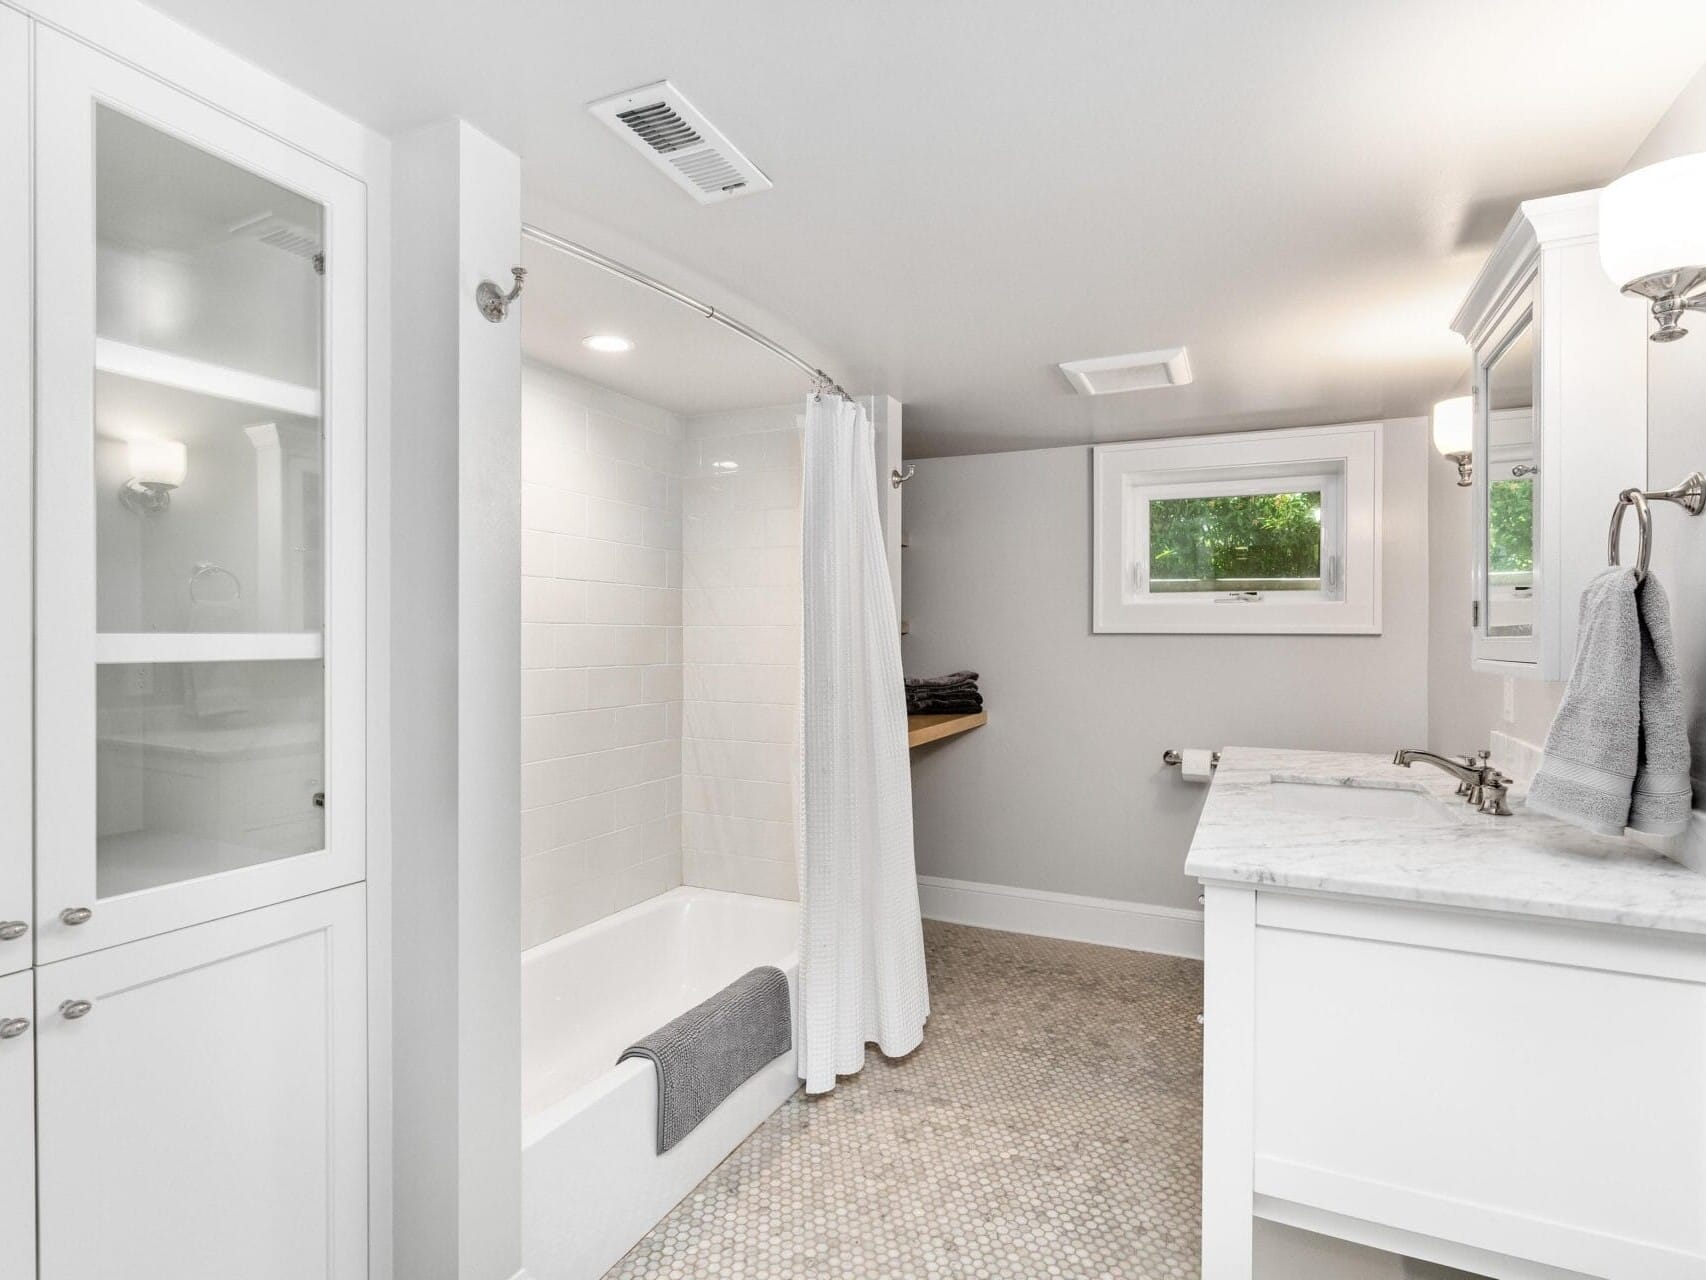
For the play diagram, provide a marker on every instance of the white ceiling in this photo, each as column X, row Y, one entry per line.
column 681, row 361
column 970, row 191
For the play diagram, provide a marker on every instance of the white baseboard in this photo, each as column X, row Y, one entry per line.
column 1135, row 926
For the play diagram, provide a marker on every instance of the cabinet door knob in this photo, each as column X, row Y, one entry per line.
column 75, row 915
column 74, row 1008
column 12, row 930
column 12, row 1028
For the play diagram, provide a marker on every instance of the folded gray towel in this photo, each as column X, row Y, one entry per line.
column 1617, row 753
column 953, row 680
column 715, row 1047
column 943, row 704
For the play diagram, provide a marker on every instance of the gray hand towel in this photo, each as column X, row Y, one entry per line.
column 1617, row 753
column 1663, row 793
column 1587, row 774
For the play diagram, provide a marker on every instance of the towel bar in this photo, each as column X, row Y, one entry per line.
column 1690, row 495
column 1173, row 756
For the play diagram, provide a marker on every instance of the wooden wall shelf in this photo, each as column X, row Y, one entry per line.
column 922, row 729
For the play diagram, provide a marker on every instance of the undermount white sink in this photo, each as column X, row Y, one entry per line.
column 1332, row 799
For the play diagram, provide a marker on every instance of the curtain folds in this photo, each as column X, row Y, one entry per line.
column 862, row 946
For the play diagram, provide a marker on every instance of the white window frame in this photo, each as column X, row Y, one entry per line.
column 1344, row 462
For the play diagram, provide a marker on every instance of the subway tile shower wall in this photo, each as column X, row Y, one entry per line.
column 741, row 610
column 601, row 681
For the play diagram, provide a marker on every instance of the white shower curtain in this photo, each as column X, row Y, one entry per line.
column 862, row 946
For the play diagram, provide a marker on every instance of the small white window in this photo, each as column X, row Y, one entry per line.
column 1266, row 532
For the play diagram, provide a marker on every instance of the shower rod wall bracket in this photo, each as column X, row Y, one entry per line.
column 493, row 301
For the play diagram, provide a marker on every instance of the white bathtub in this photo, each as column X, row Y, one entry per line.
column 592, row 1182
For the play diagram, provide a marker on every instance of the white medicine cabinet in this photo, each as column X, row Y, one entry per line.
column 1558, row 383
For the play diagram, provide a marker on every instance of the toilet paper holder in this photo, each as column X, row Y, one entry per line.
column 1173, row 756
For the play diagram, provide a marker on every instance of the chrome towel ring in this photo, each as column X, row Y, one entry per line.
column 1690, row 495
column 206, row 571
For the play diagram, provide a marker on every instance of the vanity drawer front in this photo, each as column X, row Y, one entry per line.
column 1534, row 1089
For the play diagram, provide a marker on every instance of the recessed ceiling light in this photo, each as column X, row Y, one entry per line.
column 609, row 343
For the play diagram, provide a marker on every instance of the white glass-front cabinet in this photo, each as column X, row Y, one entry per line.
column 200, row 511
column 183, row 992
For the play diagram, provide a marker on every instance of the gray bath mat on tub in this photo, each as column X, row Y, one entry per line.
column 715, row 1047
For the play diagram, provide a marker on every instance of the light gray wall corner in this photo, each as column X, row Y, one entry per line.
column 455, row 647
column 1064, row 790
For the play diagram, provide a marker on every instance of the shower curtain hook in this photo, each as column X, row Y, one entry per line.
column 494, row 302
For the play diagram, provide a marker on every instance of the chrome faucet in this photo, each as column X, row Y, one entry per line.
column 1477, row 781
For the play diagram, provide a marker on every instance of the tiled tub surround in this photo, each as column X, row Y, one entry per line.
column 1524, row 864
column 741, row 608
column 601, row 652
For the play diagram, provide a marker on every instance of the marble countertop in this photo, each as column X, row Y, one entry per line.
column 1524, row 864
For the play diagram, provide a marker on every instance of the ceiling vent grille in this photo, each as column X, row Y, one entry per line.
column 1110, row 375
column 670, row 132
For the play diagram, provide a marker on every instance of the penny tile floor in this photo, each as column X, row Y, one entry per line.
column 1049, row 1126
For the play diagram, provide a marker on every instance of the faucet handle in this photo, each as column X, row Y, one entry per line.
column 1492, row 798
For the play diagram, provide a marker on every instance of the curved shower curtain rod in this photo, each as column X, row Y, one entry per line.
column 821, row 381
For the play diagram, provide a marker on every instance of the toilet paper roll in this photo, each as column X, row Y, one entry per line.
column 1196, row 764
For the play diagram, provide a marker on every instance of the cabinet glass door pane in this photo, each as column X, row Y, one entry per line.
column 207, row 391
column 204, row 767
column 210, row 688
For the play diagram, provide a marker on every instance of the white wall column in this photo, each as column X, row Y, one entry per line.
column 456, row 660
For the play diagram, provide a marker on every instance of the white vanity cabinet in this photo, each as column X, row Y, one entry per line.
column 204, row 1115
column 17, row 1126
column 1514, row 1098
column 1474, row 1040
column 1558, row 380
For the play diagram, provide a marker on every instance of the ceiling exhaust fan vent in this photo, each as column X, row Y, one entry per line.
column 1110, row 375
column 670, row 132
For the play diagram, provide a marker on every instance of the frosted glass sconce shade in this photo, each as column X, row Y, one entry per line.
column 1652, row 238
column 1454, row 434
column 156, row 468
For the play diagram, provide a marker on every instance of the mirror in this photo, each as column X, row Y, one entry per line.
column 1505, row 454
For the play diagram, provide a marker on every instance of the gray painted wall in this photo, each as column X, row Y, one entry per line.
column 1064, row 789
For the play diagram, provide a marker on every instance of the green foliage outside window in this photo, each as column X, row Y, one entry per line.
column 1262, row 541
column 1510, row 526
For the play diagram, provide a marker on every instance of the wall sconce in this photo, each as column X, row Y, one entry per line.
column 1454, row 435
column 156, row 468
column 1652, row 238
